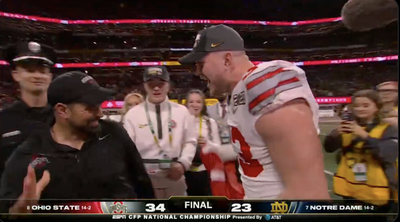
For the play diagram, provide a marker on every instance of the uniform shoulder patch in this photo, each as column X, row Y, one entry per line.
column 264, row 85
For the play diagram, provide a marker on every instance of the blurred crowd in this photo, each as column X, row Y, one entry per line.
column 327, row 80
column 168, row 42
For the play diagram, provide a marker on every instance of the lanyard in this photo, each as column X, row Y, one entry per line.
column 201, row 125
column 151, row 125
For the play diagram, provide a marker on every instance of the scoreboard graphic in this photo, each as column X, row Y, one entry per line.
column 202, row 208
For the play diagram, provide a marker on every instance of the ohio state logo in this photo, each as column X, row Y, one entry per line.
column 118, row 208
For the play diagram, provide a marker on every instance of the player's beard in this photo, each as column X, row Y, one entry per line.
column 218, row 90
column 85, row 128
column 219, row 86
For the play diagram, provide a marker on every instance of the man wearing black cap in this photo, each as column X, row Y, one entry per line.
column 31, row 65
column 273, row 120
column 80, row 156
column 164, row 135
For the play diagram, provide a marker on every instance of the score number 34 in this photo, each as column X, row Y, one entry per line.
column 241, row 207
column 150, row 207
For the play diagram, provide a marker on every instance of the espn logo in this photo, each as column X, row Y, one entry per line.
column 118, row 216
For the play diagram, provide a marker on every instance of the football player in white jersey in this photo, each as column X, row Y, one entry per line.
column 273, row 117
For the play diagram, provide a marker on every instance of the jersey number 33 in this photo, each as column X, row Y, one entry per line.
column 251, row 167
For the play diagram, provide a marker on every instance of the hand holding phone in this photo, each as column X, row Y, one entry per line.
column 345, row 127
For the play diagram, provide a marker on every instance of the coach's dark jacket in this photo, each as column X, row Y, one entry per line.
column 17, row 122
column 107, row 167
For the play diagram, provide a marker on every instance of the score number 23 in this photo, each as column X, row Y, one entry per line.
column 241, row 207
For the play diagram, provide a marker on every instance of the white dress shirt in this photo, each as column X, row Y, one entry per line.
column 220, row 109
column 183, row 133
column 215, row 142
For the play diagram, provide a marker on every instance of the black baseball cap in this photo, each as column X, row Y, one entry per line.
column 77, row 87
column 156, row 72
column 30, row 52
column 213, row 39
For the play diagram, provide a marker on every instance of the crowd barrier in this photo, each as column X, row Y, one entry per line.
column 167, row 21
column 210, row 102
column 175, row 63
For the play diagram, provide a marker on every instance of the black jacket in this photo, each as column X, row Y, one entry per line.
column 17, row 122
column 107, row 167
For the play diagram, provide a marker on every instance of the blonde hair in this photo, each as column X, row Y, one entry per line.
column 124, row 109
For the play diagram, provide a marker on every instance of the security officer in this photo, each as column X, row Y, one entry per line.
column 80, row 156
column 31, row 65
column 164, row 134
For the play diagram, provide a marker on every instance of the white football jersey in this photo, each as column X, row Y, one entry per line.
column 265, row 87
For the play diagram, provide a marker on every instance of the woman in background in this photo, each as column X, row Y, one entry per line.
column 367, row 169
column 131, row 100
column 389, row 97
column 197, row 178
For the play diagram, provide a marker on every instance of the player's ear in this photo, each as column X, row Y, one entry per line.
column 228, row 57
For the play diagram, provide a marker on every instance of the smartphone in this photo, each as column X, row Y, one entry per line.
column 348, row 116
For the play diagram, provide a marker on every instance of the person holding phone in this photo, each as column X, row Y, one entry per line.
column 367, row 170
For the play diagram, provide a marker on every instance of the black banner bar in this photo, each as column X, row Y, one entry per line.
column 198, row 217
column 204, row 205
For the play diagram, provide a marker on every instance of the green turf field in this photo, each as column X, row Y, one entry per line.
column 329, row 158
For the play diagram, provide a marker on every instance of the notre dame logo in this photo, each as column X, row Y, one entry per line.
column 279, row 208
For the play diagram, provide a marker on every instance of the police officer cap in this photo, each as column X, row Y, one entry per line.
column 30, row 52
column 156, row 72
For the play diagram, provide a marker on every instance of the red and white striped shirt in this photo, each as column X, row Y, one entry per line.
column 264, row 88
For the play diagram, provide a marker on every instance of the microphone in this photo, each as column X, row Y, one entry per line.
column 365, row 15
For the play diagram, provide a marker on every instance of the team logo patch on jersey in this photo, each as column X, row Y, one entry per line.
column 239, row 99
column 39, row 161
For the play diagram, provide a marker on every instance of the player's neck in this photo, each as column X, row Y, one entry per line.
column 238, row 73
column 33, row 100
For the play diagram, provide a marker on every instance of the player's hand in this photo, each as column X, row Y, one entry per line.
column 202, row 142
column 176, row 172
column 31, row 192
